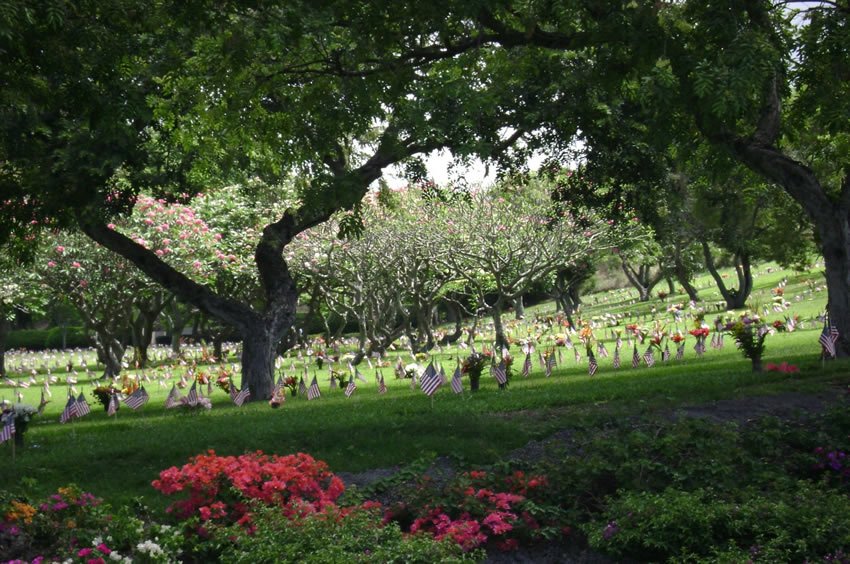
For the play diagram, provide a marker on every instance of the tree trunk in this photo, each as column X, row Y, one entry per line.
column 259, row 347
column 454, row 314
column 519, row 307
column 835, row 246
column 5, row 327
column 110, row 352
column 642, row 279
column 671, row 288
column 736, row 298
column 496, row 314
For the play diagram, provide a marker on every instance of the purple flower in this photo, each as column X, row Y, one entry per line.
column 610, row 530
column 59, row 506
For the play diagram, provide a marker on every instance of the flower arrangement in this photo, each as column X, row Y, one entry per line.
column 223, row 382
column 421, row 356
column 103, row 394
column 749, row 334
column 473, row 365
column 677, row 337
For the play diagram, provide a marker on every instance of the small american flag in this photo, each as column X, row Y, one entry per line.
column 526, row 366
column 192, row 396
column 81, row 407
column 443, row 379
column 649, row 357
column 239, row 397
column 42, row 403
column 680, row 351
column 827, row 339
column 700, row 346
column 617, row 358
column 8, row 429
column 592, row 365
column 429, row 381
column 349, row 389
column 382, row 386
column 601, row 350
column 173, row 399
column 500, row 373
column 456, row 383
column 578, row 355
column 137, row 399
column 69, row 412
column 313, row 391
column 302, row 387
column 112, row 408
column 635, row 358
column 550, row 363
column 665, row 354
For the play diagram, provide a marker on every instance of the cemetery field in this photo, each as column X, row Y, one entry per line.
column 118, row 457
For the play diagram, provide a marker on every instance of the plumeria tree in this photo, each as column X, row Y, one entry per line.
column 19, row 291
column 515, row 241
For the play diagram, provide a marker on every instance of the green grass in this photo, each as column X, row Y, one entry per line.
column 117, row 458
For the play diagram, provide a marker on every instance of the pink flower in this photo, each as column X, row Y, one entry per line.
column 196, row 265
column 110, row 226
column 84, row 552
column 51, row 264
column 60, row 249
column 75, row 264
column 104, row 549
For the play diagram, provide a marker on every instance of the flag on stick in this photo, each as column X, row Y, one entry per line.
column 429, row 381
column 635, row 358
column 173, row 399
column 313, row 391
column 112, row 407
column 526, row 366
column 382, row 386
column 192, row 396
column 349, row 389
column 69, row 412
column 500, row 373
column 649, row 357
column 680, row 351
column 302, row 387
column 592, row 365
column 239, row 397
column 137, row 399
column 827, row 339
column 81, row 407
column 8, row 429
column 617, row 357
column 457, row 383
column 665, row 354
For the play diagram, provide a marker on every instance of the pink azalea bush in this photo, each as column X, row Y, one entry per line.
column 218, row 488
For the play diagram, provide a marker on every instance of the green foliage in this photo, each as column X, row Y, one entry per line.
column 356, row 535
column 29, row 339
column 794, row 522
column 75, row 337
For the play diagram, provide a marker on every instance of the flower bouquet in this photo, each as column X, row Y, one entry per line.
column 749, row 334
column 103, row 393
column 473, row 365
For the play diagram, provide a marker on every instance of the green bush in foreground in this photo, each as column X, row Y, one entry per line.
column 332, row 536
column 799, row 523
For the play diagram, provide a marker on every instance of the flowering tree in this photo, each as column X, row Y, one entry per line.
column 514, row 241
column 19, row 291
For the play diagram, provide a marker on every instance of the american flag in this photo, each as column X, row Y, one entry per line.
column 173, row 399
column 239, row 397
column 69, row 412
column 618, row 343
column 429, row 381
column 526, row 366
column 592, row 365
column 456, row 383
column 313, row 391
column 635, row 358
column 382, row 386
column 302, row 387
column 359, row 376
column 578, row 355
column 500, row 373
column 550, row 363
column 700, row 346
column 349, row 389
column 192, row 396
column 42, row 403
column 827, row 340
column 649, row 357
column 665, row 354
column 541, row 359
column 81, row 407
column 617, row 358
column 23, row 384
column 680, row 351
column 112, row 408
column 443, row 379
column 601, row 350
column 8, row 428
column 138, row 398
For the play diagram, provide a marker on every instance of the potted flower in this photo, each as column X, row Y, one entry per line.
column 473, row 365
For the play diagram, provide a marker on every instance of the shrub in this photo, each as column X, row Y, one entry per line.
column 797, row 521
column 334, row 535
column 217, row 487
column 75, row 337
column 29, row 339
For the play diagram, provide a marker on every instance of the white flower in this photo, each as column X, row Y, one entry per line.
column 97, row 541
column 114, row 555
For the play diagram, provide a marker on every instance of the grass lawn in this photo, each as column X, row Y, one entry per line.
column 118, row 457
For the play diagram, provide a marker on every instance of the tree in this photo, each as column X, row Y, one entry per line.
column 515, row 241
column 19, row 291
